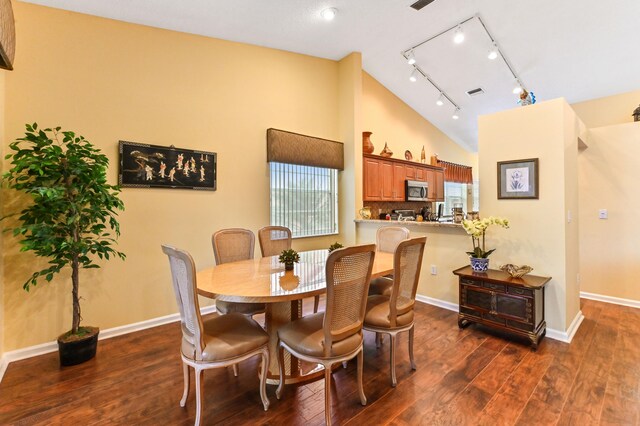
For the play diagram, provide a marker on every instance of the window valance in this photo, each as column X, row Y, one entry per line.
column 456, row 172
column 294, row 148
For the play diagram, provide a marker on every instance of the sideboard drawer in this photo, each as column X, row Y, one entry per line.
column 493, row 286
column 520, row 291
column 467, row 281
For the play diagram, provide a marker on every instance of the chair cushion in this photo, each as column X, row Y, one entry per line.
column 241, row 308
column 378, row 310
column 381, row 286
column 227, row 336
column 306, row 336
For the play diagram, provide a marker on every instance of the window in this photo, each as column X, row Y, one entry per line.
column 304, row 199
column 456, row 195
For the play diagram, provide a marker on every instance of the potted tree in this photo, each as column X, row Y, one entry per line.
column 70, row 218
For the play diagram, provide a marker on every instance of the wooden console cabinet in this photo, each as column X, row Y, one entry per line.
column 383, row 178
column 495, row 299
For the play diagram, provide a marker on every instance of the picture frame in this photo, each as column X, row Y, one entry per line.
column 153, row 166
column 518, row 179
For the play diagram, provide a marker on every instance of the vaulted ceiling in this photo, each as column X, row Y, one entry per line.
column 576, row 49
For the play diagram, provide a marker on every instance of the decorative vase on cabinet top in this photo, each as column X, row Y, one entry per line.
column 479, row 264
column 367, row 146
column 386, row 152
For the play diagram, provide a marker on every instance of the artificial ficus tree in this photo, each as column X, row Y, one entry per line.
column 71, row 218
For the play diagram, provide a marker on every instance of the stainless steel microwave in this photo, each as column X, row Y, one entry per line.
column 415, row 190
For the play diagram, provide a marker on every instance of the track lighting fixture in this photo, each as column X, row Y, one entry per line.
column 329, row 13
column 414, row 76
column 411, row 59
column 459, row 35
column 456, row 115
column 440, row 100
column 518, row 89
column 493, row 52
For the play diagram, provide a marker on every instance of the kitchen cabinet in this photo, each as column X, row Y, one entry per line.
column 384, row 178
column 497, row 300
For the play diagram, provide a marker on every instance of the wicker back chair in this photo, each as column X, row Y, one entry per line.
column 232, row 245
column 336, row 335
column 393, row 314
column 387, row 239
column 217, row 342
column 274, row 239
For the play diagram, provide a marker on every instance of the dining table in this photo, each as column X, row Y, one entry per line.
column 264, row 280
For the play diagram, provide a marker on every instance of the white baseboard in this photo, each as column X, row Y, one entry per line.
column 45, row 348
column 437, row 302
column 610, row 299
column 566, row 336
column 563, row 336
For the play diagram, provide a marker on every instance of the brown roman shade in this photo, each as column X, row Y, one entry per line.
column 456, row 172
column 293, row 148
column 7, row 35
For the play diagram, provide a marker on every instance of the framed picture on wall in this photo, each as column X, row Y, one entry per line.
column 518, row 179
column 153, row 166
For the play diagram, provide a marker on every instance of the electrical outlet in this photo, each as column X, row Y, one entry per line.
column 568, row 216
column 603, row 214
column 434, row 270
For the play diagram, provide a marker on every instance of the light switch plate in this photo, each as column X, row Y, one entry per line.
column 603, row 214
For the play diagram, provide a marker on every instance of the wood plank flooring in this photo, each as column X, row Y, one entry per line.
column 464, row 377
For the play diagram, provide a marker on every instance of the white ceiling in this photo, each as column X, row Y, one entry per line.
column 577, row 49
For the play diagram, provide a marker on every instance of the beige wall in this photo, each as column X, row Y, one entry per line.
column 539, row 234
column 109, row 80
column 394, row 122
column 350, row 125
column 2, row 151
column 609, row 250
column 609, row 110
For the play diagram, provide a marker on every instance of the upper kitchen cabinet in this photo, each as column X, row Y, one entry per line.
column 384, row 178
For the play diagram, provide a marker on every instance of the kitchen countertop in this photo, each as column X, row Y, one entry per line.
column 412, row 223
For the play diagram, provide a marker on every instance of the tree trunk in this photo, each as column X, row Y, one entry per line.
column 76, row 298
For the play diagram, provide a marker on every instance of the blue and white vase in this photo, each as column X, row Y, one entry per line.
column 479, row 264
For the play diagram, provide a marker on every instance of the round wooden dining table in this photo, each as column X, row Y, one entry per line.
column 264, row 280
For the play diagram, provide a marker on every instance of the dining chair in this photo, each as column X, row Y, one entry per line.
column 393, row 314
column 335, row 335
column 273, row 240
column 387, row 239
column 232, row 245
column 216, row 342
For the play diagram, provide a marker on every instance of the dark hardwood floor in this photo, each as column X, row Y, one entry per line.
column 464, row 377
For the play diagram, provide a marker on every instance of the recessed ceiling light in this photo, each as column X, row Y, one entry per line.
column 329, row 13
column 459, row 36
column 414, row 76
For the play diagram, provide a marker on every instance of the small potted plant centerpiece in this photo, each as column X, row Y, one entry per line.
column 479, row 257
column 335, row 246
column 289, row 257
column 70, row 217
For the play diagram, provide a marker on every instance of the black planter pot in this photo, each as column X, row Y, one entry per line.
column 78, row 351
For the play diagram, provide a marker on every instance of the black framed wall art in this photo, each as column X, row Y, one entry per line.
column 518, row 179
column 152, row 166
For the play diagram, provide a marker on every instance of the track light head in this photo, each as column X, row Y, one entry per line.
column 329, row 13
column 456, row 115
column 411, row 58
column 518, row 89
column 414, row 76
column 458, row 36
column 440, row 100
column 493, row 52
